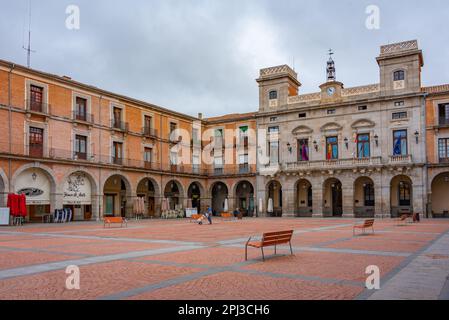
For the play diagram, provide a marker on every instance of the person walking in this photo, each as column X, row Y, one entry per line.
column 209, row 214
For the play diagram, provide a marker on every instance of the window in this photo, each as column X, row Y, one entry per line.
column 147, row 155
column 218, row 165
column 218, row 136
column 81, row 147
column 443, row 150
column 363, row 146
column 81, row 109
column 362, row 108
column 400, row 143
column 309, row 197
column 399, row 115
column 273, row 119
column 443, row 114
column 243, row 136
column 404, row 193
column 273, row 149
column 332, row 148
column 399, row 75
column 273, row 130
column 36, row 98
column 399, row 103
column 368, row 191
column 147, row 125
column 331, row 111
column 173, row 127
column 117, row 152
column 302, row 115
column 243, row 163
column 36, row 139
column 303, row 149
column 117, row 118
column 273, row 95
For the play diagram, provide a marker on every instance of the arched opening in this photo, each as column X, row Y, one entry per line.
column 219, row 197
column 39, row 188
column 401, row 196
column 147, row 189
column 303, row 198
column 333, row 198
column 2, row 193
column 173, row 194
column 116, row 197
column 364, row 201
column 78, row 195
column 274, row 199
column 440, row 196
column 194, row 196
column 244, row 195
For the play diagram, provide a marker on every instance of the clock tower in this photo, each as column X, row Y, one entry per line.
column 331, row 89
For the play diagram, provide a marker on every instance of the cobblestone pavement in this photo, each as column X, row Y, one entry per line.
column 160, row 259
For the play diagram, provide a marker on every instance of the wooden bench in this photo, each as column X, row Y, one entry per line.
column 366, row 224
column 270, row 239
column 227, row 216
column 115, row 220
column 195, row 217
column 411, row 217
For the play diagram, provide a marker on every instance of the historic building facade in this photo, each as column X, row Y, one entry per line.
column 346, row 151
column 375, row 150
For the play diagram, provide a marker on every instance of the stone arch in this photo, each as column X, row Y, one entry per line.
column 196, row 194
column 303, row 198
column 243, row 193
column 219, row 193
column 274, row 191
column 440, row 194
column 35, row 210
column 401, row 195
column 82, row 211
column 117, row 195
column 174, row 193
column 364, row 197
column 332, row 197
column 149, row 189
column 4, row 188
column 362, row 123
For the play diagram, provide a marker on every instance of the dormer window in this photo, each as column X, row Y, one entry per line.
column 399, row 75
column 273, row 95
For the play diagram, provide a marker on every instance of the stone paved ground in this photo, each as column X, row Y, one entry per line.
column 182, row 260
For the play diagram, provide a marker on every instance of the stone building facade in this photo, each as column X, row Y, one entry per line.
column 374, row 150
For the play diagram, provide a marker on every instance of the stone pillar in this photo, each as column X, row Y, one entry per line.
column 378, row 205
column 288, row 199
column 385, row 198
column 348, row 198
column 261, row 194
column 317, row 198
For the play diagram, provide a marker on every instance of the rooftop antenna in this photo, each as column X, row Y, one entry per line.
column 28, row 48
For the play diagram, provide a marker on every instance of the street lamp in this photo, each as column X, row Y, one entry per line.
column 417, row 136
column 376, row 140
column 346, row 143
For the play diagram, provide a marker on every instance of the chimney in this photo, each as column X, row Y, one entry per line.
column 200, row 115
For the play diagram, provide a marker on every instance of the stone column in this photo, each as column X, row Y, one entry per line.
column 288, row 198
column 260, row 193
column 317, row 197
column 348, row 198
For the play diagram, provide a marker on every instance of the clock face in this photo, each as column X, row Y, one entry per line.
column 330, row 91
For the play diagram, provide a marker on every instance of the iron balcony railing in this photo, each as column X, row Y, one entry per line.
column 149, row 132
column 82, row 116
column 443, row 121
column 37, row 107
column 119, row 125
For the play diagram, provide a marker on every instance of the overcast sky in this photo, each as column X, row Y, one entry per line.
column 203, row 56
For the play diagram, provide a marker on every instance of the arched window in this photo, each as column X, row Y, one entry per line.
column 399, row 75
column 273, row 95
column 404, row 193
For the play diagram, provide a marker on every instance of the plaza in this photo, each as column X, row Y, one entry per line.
column 176, row 259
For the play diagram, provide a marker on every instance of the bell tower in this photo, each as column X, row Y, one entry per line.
column 331, row 89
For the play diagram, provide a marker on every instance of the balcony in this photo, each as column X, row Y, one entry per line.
column 78, row 116
column 119, row 125
column 230, row 170
column 37, row 107
column 443, row 121
column 444, row 160
column 149, row 132
column 332, row 164
column 401, row 159
column 117, row 160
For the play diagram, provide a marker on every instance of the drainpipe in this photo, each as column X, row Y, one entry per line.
column 10, row 125
column 99, row 191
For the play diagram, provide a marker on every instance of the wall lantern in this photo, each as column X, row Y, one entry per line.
column 289, row 147
column 34, row 176
column 376, row 140
column 417, row 136
column 346, row 143
column 315, row 144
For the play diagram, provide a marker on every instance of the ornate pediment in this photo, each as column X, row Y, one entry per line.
column 363, row 123
column 332, row 126
column 301, row 130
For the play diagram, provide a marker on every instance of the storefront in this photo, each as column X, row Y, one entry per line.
column 36, row 186
column 77, row 196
